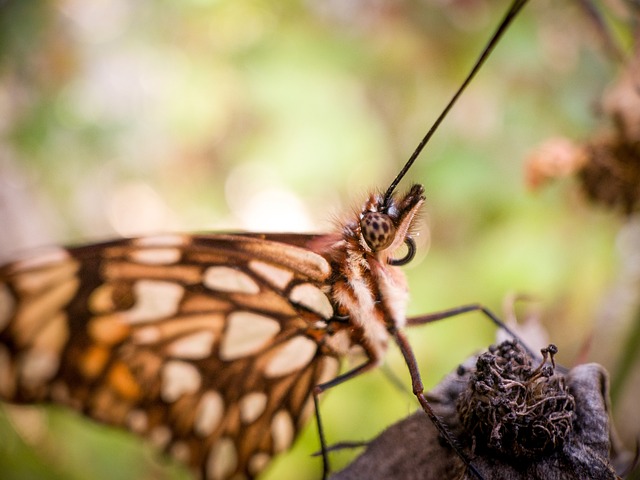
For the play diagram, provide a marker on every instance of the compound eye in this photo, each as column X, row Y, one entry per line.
column 377, row 230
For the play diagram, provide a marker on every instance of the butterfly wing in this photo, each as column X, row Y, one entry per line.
column 208, row 345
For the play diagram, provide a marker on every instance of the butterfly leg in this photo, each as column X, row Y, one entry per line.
column 318, row 389
column 473, row 307
column 418, row 391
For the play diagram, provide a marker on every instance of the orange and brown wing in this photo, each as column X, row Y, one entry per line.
column 200, row 343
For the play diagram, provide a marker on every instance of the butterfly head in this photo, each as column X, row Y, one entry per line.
column 385, row 224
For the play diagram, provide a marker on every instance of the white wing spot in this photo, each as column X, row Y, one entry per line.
column 258, row 462
column 7, row 306
column 251, row 406
column 162, row 241
column 330, row 368
column 246, row 333
column 181, row 451
column 282, row 431
column 280, row 277
column 196, row 346
column 36, row 280
column 156, row 256
column 137, row 421
column 339, row 342
column 305, row 412
column 310, row 296
column 309, row 263
column 209, row 413
column 37, row 367
column 179, row 378
column 227, row 279
column 291, row 356
column 32, row 314
column 54, row 255
column 222, row 460
column 154, row 300
column 160, row 436
column 146, row 335
column 54, row 335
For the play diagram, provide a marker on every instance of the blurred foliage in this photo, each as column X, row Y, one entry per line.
column 122, row 118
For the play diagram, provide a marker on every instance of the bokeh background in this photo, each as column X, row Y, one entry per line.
column 122, row 118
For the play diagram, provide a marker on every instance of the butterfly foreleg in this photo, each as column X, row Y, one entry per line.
column 318, row 389
column 418, row 391
column 473, row 307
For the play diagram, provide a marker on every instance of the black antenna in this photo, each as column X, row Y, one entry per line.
column 516, row 6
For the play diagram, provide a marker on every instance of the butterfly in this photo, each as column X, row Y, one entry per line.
column 215, row 347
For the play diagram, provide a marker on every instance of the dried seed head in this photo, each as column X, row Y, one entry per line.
column 612, row 175
column 513, row 408
column 607, row 165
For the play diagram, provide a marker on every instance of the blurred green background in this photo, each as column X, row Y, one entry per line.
column 120, row 118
